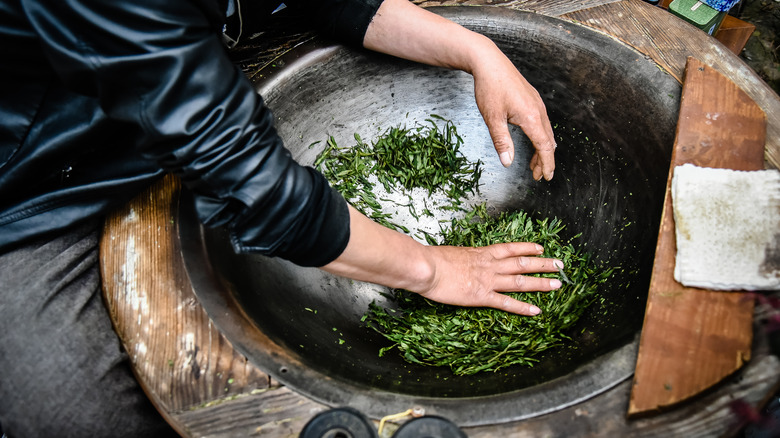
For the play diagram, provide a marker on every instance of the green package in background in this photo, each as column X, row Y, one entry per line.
column 698, row 13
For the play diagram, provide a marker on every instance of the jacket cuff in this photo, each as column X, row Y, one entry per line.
column 347, row 20
column 315, row 238
column 332, row 237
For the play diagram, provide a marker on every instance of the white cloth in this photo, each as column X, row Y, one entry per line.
column 727, row 226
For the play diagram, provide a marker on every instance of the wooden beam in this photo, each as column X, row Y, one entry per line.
column 178, row 355
column 669, row 41
column 694, row 338
column 734, row 33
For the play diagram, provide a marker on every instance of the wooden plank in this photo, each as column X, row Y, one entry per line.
column 734, row 33
column 693, row 338
column 277, row 412
column 178, row 355
column 669, row 41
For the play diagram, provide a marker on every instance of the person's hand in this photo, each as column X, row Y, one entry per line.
column 403, row 29
column 503, row 95
column 475, row 277
column 462, row 276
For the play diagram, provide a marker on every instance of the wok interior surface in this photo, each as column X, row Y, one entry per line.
column 614, row 114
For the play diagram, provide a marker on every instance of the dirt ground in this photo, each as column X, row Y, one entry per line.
column 761, row 51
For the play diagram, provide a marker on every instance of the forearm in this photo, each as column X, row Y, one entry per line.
column 473, row 277
column 453, row 275
column 380, row 255
column 402, row 29
column 503, row 96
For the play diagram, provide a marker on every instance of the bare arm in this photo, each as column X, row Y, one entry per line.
column 503, row 96
column 453, row 275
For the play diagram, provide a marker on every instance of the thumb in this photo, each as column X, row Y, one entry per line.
column 502, row 141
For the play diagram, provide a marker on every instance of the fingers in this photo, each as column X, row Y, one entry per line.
column 514, row 249
column 547, row 158
column 525, row 283
column 477, row 277
column 537, row 128
column 540, row 132
column 512, row 258
column 535, row 122
column 526, row 265
column 509, row 304
column 499, row 133
column 509, row 272
column 543, row 164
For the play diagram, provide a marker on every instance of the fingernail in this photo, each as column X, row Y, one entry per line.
column 550, row 176
column 533, row 310
column 506, row 159
column 539, row 248
column 558, row 264
column 555, row 284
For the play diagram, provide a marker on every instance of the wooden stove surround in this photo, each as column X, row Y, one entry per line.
column 203, row 387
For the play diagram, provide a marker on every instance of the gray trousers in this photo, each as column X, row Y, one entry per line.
column 63, row 372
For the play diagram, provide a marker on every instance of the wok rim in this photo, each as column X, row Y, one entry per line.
column 598, row 376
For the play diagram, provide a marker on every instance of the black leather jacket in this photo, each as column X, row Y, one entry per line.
column 99, row 98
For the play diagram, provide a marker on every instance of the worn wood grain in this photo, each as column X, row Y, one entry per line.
column 277, row 412
column 178, row 355
column 280, row 412
column 669, row 41
column 693, row 338
column 734, row 33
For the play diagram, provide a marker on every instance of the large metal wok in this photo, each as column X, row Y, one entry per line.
column 615, row 112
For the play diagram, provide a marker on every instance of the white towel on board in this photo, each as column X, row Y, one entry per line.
column 727, row 226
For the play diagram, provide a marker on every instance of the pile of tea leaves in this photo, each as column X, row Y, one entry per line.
column 470, row 340
column 467, row 340
column 423, row 157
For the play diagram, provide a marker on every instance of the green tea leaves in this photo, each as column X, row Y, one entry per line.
column 467, row 340
column 426, row 157
column 471, row 340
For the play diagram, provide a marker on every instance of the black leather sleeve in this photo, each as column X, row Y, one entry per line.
column 161, row 66
column 345, row 20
